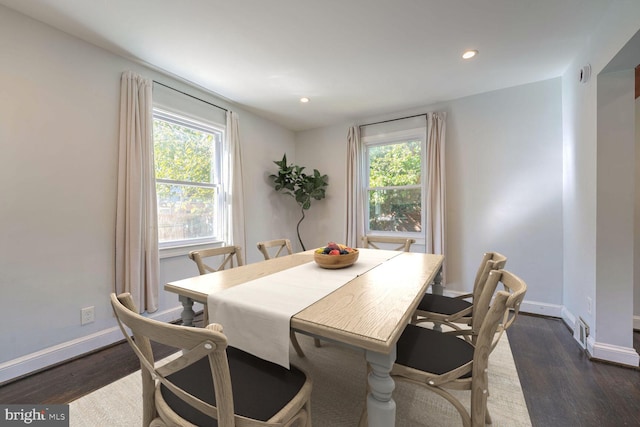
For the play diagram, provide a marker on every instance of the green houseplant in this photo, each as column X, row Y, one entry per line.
column 292, row 180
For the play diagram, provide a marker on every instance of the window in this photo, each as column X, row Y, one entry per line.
column 188, row 162
column 395, row 182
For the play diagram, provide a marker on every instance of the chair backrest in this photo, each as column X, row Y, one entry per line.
column 195, row 343
column 490, row 261
column 404, row 244
column 225, row 257
column 513, row 287
column 504, row 301
column 281, row 244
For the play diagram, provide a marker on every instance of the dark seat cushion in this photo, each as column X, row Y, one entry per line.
column 432, row 351
column 260, row 388
column 442, row 304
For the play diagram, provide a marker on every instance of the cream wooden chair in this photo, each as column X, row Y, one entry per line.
column 280, row 244
column 210, row 383
column 404, row 244
column 441, row 362
column 224, row 256
column 457, row 312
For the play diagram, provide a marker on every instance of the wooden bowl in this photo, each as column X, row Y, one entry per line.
column 336, row 261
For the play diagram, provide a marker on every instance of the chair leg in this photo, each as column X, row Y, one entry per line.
column 296, row 345
column 363, row 417
column 316, row 342
column 479, row 411
column 205, row 316
column 308, row 405
column 157, row 422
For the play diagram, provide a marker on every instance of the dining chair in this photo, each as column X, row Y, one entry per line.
column 223, row 257
column 210, row 383
column 457, row 311
column 441, row 362
column 280, row 244
column 374, row 242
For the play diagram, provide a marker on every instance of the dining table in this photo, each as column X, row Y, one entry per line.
column 369, row 311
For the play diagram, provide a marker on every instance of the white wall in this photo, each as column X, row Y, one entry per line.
column 58, row 167
column 504, row 185
column 269, row 215
column 587, row 195
column 325, row 149
column 615, row 208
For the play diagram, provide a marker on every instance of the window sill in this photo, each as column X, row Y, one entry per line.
column 178, row 251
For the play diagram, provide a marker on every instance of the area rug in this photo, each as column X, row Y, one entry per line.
column 339, row 380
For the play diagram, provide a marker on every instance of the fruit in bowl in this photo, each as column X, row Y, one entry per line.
column 333, row 248
column 335, row 255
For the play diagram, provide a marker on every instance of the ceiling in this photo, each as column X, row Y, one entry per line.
column 352, row 58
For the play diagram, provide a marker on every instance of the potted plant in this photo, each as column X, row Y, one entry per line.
column 292, row 180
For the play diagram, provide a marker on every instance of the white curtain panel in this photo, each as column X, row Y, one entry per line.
column 234, row 187
column 435, row 209
column 136, row 254
column 355, row 213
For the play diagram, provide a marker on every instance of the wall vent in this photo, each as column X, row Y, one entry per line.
column 581, row 332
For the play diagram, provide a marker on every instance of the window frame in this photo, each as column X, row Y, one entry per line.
column 389, row 138
column 173, row 247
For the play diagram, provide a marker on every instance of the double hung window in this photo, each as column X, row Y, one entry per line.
column 395, row 183
column 188, row 163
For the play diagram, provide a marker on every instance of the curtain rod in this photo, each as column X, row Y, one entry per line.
column 191, row 96
column 393, row 120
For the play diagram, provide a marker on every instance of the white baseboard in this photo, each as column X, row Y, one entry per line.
column 613, row 353
column 601, row 351
column 59, row 353
column 541, row 308
column 569, row 319
column 532, row 307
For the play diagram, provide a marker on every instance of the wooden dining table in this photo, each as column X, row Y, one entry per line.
column 369, row 312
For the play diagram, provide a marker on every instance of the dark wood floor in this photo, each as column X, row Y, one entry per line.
column 69, row 381
column 562, row 387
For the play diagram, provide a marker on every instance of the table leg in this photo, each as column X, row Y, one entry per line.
column 381, row 409
column 438, row 289
column 187, row 310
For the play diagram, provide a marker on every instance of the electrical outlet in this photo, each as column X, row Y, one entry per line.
column 589, row 305
column 87, row 315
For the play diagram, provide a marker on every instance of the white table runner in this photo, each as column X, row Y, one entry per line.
column 256, row 315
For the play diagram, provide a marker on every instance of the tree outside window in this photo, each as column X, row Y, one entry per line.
column 187, row 167
column 395, row 186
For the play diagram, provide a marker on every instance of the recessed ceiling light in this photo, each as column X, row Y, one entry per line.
column 304, row 100
column 469, row 54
